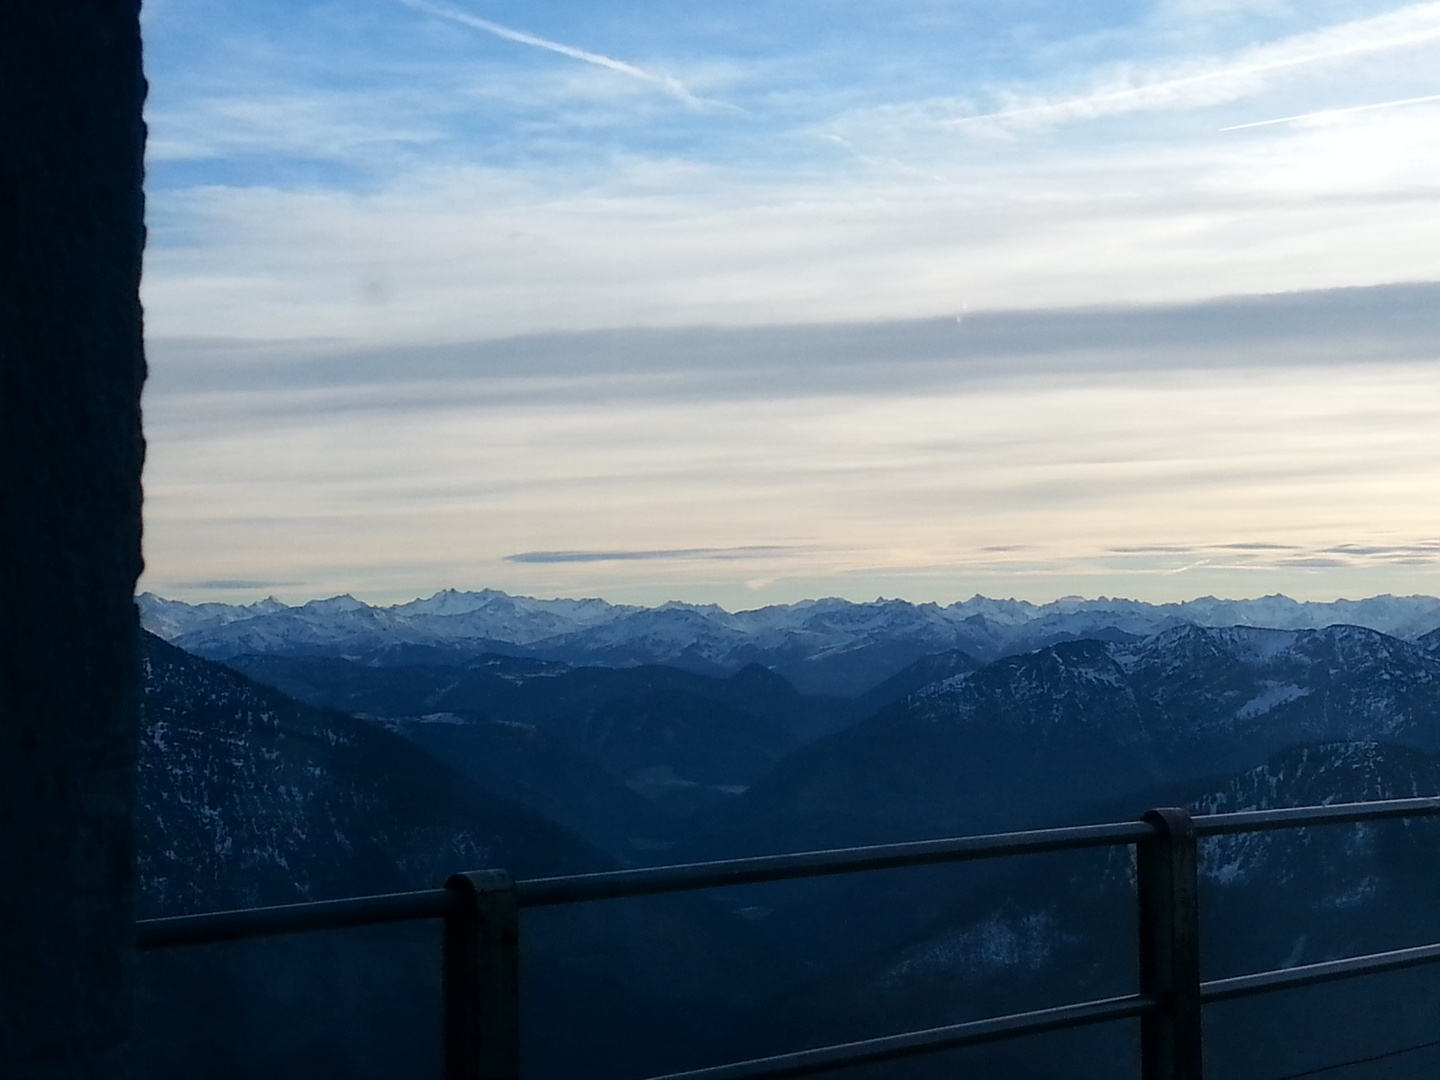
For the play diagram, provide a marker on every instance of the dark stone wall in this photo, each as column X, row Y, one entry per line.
column 71, row 370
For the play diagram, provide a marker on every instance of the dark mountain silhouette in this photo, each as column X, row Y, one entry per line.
column 251, row 798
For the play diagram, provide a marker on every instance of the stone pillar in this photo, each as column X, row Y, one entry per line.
column 71, row 370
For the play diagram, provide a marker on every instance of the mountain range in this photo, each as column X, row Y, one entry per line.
column 829, row 646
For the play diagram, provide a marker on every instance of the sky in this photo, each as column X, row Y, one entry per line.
column 752, row 302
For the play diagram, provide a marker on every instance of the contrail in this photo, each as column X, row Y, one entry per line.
column 1329, row 44
column 1182, row 569
column 1333, row 112
column 464, row 18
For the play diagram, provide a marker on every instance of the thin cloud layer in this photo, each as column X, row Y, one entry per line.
column 768, row 551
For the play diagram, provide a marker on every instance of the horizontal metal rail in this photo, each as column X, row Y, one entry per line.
column 932, row 1040
column 1266, row 982
column 293, row 918
column 1300, row 817
column 541, row 892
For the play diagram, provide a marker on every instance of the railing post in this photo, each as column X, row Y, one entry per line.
column 1168, row 890
column 481, row 978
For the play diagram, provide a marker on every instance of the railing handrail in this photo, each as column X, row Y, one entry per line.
column 481, row 908
column 612, row 884
column 240, row 923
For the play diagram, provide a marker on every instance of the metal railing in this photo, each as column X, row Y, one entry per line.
column 482, row 932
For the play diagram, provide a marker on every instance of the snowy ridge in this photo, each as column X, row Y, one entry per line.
column 1339, row 682
column 814, row 631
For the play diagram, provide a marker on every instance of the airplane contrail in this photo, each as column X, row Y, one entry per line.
column 1328, row 44
column 464, row 18
column 1182, row 569
column 1333, row 112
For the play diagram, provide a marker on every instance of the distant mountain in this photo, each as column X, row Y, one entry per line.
column 830, row 646
column 1430, row 641
column 1028, row 740
column 924, row 672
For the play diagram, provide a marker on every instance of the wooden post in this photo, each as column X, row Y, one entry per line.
column 481, row 975
column 1168, row 891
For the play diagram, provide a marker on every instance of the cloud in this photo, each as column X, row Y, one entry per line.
column 1328, row 328
column 1257, row 547
column 312, row 124
column 751, row 552
column 508, row 198
column 875, row 462
column 1417, row 553
column 667, row 83
column 233, row 584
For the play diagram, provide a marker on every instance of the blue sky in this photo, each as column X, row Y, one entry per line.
column 642, row 300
